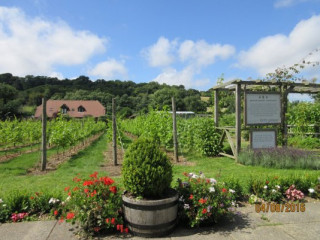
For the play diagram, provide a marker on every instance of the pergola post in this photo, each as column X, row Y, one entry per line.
column 216, row 108
column 238, row 119
column 284, row 128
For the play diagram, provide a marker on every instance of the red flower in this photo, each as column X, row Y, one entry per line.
column 66, row 189
column 94, row 175
column 87, row 183
column 93, row 193
column 204, row 211
column 107, row 220
column 86, row 190
column 126, row 230
column 224, row 190
column 96, row 229
column 202, row 201
column 75, row 189
column 55, row 212
column 267, row 182
column 69, row 193
column 70, row 215
column 31, row 198
column 113, row 221
column 118, row 227
column 191, row 197
column 106, row 180
column 113, row 189
column 61, row 219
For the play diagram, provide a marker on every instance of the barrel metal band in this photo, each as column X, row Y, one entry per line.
column 150, row 208
column 158, row 226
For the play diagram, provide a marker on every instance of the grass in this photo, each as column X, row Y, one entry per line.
column 13, row 174
column 224, row 168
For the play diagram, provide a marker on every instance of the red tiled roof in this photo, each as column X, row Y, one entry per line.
column 92, row 108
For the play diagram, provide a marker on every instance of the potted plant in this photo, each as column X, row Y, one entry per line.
column 150, row 206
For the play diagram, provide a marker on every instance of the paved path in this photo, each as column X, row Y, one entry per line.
column 247, row 225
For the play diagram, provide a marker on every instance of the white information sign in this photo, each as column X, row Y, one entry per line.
column 263, row 108
column 263, row 139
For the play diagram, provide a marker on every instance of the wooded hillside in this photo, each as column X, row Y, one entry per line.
column 20, row 95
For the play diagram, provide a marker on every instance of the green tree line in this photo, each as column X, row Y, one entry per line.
column 132, row 98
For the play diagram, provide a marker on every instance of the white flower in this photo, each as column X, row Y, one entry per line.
column 277, row 186
column 1, row 201
column 186, row 206
column 265, row 187
column 213, row 181
column 68, row 198
column 311, row 190
column 211, row 189
column 4, row 205
column 273, row 190
column 202, row 175
column 53, row 201
column 231, row 190
column 192, row 175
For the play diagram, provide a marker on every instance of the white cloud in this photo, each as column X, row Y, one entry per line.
column 185, row 77
column 280, row 50
column 109, row 69
column 160, row 54
column 203, row 53
column 35, row 46
column 192, row 56
column 287, row 3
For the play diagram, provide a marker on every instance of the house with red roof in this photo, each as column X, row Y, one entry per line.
column 72, row 108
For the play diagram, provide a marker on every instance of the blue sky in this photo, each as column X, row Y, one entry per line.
column 187, row 42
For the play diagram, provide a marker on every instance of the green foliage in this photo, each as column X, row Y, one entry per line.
column 203, row 201
column 273, row 188
column 60, row 132
column 146, row 170
column 304, row 142
column 234, row 184
column 305, row 116
column 197, row 134
column 280, row 158
column 34, row 204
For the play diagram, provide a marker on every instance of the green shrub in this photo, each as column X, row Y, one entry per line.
column 304, row 142
column 280, row 158
column 234, row 184
column 146, row 171
column 207, row 138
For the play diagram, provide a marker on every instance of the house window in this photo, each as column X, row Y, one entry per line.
column 64, row 109
column 81, row 109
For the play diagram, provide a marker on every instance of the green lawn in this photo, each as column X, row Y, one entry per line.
column 13, row 174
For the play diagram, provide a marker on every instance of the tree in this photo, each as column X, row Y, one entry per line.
column 9, row 105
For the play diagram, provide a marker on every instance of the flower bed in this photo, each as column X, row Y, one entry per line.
column 95, row 202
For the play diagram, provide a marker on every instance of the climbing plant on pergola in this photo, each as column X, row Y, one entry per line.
column 240, row 86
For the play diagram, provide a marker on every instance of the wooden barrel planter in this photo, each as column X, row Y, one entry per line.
column 151, row 218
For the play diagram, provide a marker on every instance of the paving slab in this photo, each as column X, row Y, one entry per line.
column 26, row 230
column 247, row 224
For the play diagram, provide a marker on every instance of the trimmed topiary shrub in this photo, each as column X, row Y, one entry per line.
column 146, row 171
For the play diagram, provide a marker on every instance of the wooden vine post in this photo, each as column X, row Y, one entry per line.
column 114, row 132
column 238, row 119
column 175, row 141
column 44, row 135
column 216, row 108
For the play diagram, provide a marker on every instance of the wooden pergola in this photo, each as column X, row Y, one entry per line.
column 240, row 86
